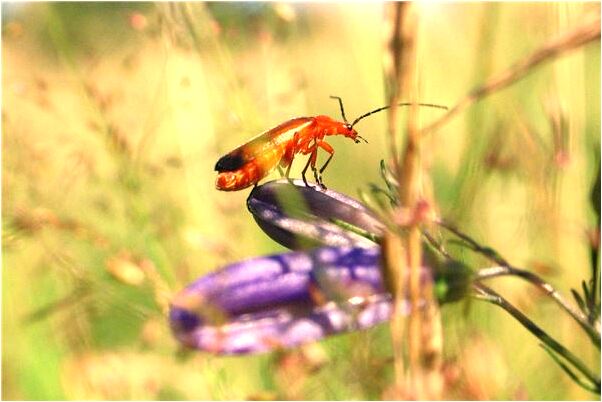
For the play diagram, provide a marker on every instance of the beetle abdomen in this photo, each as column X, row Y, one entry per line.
column 239, row 179
column 248, row 173
column 230, row 162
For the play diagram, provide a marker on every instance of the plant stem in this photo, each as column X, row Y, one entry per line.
column 489, row 295
column 582, row 35
column 548, row 289
column 393, row 247
column 506, row 269
column 402, row 246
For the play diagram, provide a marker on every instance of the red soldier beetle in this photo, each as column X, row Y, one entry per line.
column 277, row 147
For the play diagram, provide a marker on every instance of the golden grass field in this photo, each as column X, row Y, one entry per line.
column 114, row 114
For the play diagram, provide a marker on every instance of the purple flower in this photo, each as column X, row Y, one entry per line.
column 300, row 217
column 282, row 301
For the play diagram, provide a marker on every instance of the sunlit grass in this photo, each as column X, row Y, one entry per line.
column 111, row 129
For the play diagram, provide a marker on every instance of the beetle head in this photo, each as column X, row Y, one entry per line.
column 350, row 132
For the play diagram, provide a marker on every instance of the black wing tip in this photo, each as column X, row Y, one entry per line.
column 229, row 162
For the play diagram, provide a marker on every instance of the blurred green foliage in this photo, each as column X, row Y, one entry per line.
column 113, row 115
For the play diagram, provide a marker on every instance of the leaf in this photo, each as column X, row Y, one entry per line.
column 388, row 178
column 377, row 190
column 579, row 300
column 586, row 292
column 595, row 193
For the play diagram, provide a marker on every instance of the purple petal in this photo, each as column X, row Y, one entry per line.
column 282, row 301
column 301, row 217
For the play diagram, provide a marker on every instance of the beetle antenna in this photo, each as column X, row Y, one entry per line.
column 342, row 108
column 387, row 107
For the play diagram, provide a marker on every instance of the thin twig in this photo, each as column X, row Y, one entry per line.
column 576, row 38
column 437, row 245
column 506, row 269
column 489, row 295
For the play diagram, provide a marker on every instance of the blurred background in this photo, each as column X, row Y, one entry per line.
column 114, row 114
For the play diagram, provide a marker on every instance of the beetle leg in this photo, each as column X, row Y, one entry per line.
column 289, row 156
column 288, row 171
column 314, row 159
column 328, row 148
column 311, row 161
column 303, row 172
column 313, row 168
column 286, row 174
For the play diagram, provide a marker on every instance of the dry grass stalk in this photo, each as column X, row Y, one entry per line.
column 403, row 251
column 392, row 248
column 580, row 36
column 392, row 245
column 398, row 42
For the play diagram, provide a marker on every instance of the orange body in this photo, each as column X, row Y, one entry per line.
column 251, row 162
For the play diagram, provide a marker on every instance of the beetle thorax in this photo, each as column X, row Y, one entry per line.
column 329, row 126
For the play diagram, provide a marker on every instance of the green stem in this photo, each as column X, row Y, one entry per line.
column 535, row 280
column 489, row 295
column 506, row 268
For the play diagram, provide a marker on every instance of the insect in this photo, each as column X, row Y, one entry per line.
column 277, row 147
